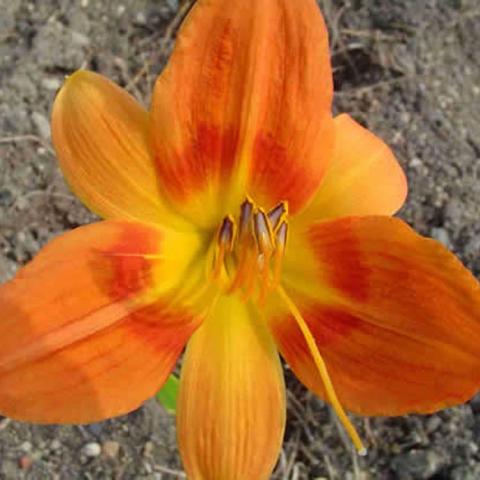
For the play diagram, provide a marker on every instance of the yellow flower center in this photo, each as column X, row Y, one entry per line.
column 249, row 250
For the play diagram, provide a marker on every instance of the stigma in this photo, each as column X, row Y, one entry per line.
column 249, row 250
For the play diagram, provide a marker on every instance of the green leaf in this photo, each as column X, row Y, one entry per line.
column 167, row 396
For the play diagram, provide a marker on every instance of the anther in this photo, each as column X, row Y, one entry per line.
column 244, row 224
column 280, row 245
column 226, row 233
column 225, row 239
column 281, row 237
column 276, row 214
column 263, row 232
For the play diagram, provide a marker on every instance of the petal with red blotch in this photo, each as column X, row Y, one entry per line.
column 395, row 316
column 363, row 178
column 101, row 136
column 94, row 324
column 244, row 105
column 231, row 407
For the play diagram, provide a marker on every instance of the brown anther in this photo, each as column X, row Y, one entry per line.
column 281, row 237
column 245, row 220
column 226, row 233
column 225, row 244
column 263, row 232
column 276, row 214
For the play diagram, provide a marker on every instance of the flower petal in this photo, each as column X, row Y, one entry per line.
column 394, row 315
column 101, row 136
column 363, row 178
column 244, row 104
column 231, row 407
column 94, row 325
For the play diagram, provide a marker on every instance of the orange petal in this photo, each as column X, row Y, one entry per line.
column 364, row 177
column 93, row 326
column 101, row 135
column 244, row 104
column 394, row 315
column 231, row 412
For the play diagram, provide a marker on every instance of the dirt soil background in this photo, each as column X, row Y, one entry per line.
column 409, row 69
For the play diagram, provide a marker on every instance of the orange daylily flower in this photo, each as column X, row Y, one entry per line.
column 241, row 219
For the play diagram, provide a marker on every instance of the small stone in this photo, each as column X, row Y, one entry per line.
column 6, row 197
column 418, row 464
column 95, row 428
column 442, row 236
column 148, row 449
column 51, row 83
column 111, row 448
column 415, row 162
column 173, row 5
column 79, row 39
column 26, row 447
column 25, row 462
column 141, row 19
column 433, row 423
column 92, row 450
column 55, row 445
column 41, row 124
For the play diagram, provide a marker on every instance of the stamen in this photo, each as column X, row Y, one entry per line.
column 276, row 214
column 246, row 212
column 263, row 232
column 281, row 237
column 226, row 232
column 322, row 370
column 225, row 244
column 280, row 245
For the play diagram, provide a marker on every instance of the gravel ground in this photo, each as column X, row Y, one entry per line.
column 408, row 69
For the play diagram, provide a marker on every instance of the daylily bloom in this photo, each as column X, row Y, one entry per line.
column 241, row 219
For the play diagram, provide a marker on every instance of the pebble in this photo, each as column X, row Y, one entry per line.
column 6, row 197
column 173, row 5
column 415, row 162
column 26, row 447
column 111, row 448
column 79, row 39
column 51, row 83
column 148, row 449
column 55, row 445
column 141, row 19
column 95, row 428
column 433, row 423
column 41, row 124
column 442, row 236
column 25, row 462
column 418, row 464
column 92, row 449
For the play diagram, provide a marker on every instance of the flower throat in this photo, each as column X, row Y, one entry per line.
column 249, row 250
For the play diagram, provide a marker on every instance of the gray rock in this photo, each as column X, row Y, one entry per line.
column 440, row 234
column 466, row 472
column 92, row 450
column 111, row 448
column 433, row 423
column 418, row 464
column 69, row 51
column 42, row 125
